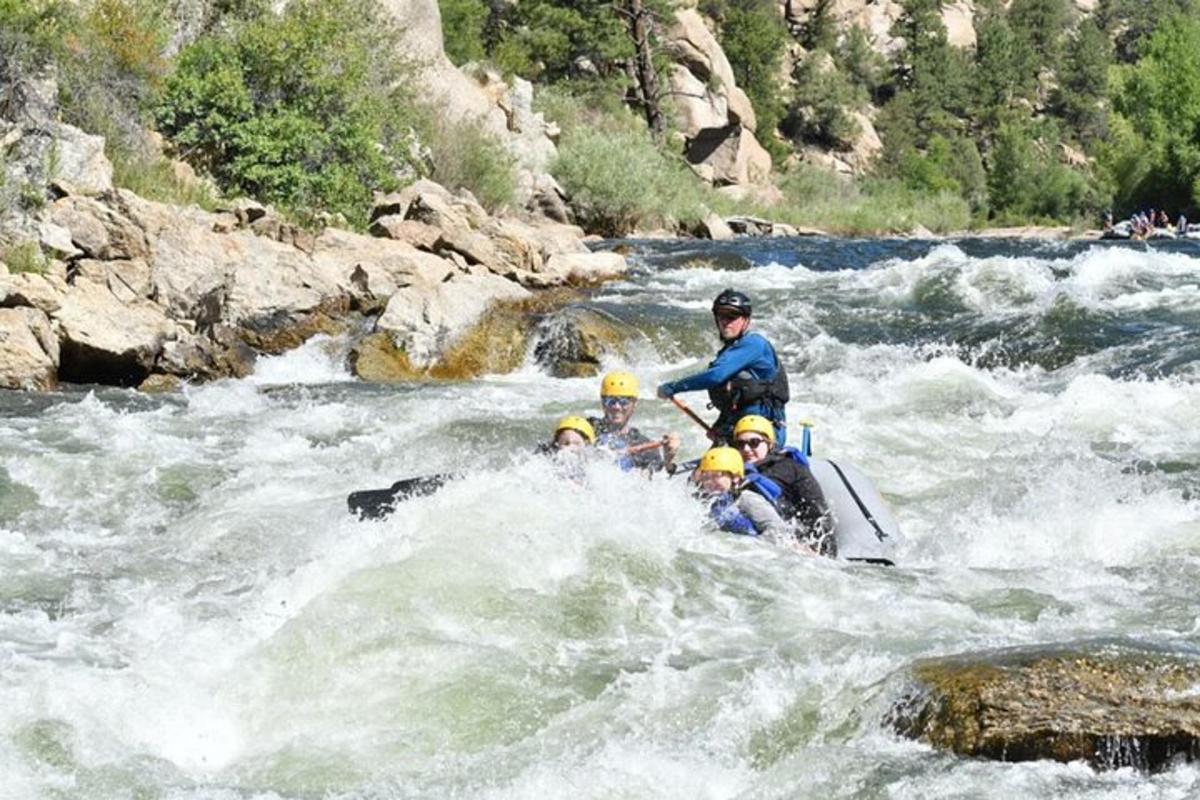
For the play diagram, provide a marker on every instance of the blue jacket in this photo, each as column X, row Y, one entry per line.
column 751, row 354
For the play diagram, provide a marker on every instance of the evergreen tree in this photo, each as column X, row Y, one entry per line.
column 820, row 29
column 1042, row 24
column 1005, row 66
column 753, row 38
column 1083, row 82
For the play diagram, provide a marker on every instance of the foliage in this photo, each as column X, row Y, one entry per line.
column 463, row 23
column 549, row 40
column 858, row 61
column 306, row 111
column 1005, row 65
column 465, row 156
column 25, row 256
column 1155, row 156
column 619, row 182
column 934, row 79
column 1083, row 83
column 814, row 197
column 1131, row 23
column 754, row 39
column 820, row 29
column 950, row 165
column 818, row 112
column 1026, row 181
column 1041, row 23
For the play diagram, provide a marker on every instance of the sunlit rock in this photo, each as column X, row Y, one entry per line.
column 29, row 350
column 1112, row 705
column 106, row 341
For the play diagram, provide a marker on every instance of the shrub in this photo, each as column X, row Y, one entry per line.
column 820, row 107
column 463, row 23
column 306, row 111
column 465, row 156
column 619, row 182
column 25, row 257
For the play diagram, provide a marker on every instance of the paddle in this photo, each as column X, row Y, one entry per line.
column 378, row 503
column 682, row 406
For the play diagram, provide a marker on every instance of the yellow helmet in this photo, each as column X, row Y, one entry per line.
column 753, row 423
column 619, row 384
column 579, row 425
column 722, row 459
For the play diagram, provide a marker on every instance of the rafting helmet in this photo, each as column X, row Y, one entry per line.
column 619, row 384
column 722, row 459
column 753, row 423
column 579, row 425
column 732, row 300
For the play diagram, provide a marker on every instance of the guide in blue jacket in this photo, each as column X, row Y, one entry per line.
column 746, row 376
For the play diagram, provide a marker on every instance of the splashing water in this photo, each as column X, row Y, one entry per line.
column 189, row 612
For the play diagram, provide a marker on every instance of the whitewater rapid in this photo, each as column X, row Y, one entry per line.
column 187, row 610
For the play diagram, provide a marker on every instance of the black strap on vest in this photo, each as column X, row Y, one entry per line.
column 879, row 532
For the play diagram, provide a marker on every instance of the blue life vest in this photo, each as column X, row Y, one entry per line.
column 729, row 517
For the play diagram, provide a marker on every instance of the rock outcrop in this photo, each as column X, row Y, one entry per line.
column 1109, row 704
column 145, row 289
column 714, row 116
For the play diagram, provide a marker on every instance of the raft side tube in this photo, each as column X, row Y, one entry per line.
column 863, row 524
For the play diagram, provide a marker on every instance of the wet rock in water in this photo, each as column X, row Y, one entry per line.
column 573, row 342
column 1110, row 704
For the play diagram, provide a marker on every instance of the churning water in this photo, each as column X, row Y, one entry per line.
column 187, row 610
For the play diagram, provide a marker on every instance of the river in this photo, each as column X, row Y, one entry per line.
column 187, row 610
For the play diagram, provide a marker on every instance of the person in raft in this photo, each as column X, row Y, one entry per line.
column 615, row 431
column 746, row 377
column 719, row 478
column 782, row 476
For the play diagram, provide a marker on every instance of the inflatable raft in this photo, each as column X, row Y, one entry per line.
column 863, row 525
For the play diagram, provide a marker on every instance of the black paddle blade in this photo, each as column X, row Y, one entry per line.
column 378, row 503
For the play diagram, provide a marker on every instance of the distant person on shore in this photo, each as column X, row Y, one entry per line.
column 1107, row 220
column 615, row 431
column 746, row 377
column 1181, row 227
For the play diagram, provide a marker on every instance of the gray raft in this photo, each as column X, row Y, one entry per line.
column 865, row 527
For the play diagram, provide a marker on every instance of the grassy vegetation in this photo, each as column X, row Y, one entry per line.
column 24, row 257
column 621, row 183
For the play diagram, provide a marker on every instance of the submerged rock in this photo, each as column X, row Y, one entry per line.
column 1110, row 704
column 573, row 342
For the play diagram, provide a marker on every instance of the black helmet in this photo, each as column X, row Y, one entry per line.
column 732, row 300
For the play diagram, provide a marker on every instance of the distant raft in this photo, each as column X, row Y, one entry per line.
column 864, row 526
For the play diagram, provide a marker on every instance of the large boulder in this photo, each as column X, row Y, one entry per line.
column 714, row 116
column 425, row 319
column 106, row 341
column 29, row 350
column 1110, row 704
column 97, row 230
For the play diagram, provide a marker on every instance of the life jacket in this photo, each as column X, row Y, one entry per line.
column 743, row 390
column 729, row 517
column 793, row 488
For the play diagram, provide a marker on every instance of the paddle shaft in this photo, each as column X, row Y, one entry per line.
column 682, row 406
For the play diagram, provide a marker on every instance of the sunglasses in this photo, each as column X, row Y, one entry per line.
column 725, row 319
column 617, row 402
column 752, row 443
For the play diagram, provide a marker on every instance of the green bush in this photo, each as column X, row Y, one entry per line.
column 619, row 182
column 820, row 199
column 463, row 23
column 465, row 156
column 1026, row 181
column 25, row 257
column 820, row 106
column 306, row 111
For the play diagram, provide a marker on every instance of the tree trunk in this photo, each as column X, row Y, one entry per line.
column 646, row 79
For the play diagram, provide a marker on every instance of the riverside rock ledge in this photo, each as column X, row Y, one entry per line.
column 1112, row 704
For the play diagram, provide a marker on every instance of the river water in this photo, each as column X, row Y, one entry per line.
column 187, row 610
